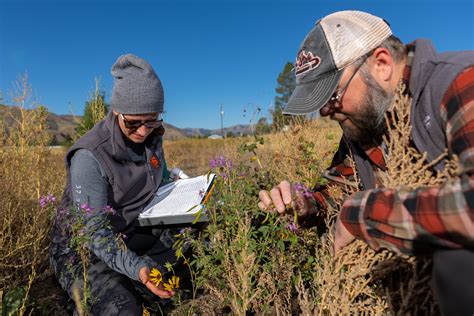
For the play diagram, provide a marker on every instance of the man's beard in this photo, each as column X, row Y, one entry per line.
column 369, row 123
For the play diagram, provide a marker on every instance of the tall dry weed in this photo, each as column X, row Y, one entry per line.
column 360, row 280
column 405, row 165
column 26, row 175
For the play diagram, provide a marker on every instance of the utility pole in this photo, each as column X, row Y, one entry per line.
column 222, row 121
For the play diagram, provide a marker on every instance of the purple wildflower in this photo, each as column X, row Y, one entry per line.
column 292, row 227
column 185, row 230
column 47, row 199
column 212, row 163
column 300, row 188
column 123, row 236
column 51, row 198
column 42, row 202
column 109, row 210
column 86, row 209
column 223, row 164
column 62, row 213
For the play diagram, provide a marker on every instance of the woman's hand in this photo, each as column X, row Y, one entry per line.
column 177, row 173
column 157, row 290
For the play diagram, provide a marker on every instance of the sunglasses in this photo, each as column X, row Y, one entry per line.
column 338, row 94
column 136, row 124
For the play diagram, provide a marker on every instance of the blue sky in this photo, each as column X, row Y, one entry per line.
column 207, row 53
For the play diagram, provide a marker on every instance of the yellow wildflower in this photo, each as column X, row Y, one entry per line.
column 172, row 284
column 146, row 312
column 155, row 276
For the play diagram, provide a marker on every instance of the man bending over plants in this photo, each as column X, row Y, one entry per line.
column 351, row 68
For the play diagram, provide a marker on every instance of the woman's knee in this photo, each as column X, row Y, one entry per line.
column 117, row 304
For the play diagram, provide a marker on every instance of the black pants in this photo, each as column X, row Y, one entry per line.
column 453, row 281
column 112, row 293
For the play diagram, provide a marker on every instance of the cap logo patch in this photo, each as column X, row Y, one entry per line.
column 306, row 61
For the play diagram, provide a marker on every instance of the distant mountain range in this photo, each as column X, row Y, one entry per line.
column 236, row 130
column 62, row 127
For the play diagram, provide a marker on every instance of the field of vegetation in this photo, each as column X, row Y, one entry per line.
column 245, row 261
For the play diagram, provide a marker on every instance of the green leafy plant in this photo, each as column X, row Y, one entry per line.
column 94, row 110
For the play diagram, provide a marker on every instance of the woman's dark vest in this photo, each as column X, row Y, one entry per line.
column 132, row 179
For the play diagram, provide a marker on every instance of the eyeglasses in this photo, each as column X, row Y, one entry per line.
column 136, row 124
column 338, row 94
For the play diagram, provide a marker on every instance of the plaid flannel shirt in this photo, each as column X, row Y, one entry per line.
column 406, row 220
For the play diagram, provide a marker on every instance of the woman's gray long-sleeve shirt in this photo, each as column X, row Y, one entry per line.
column 89, row 186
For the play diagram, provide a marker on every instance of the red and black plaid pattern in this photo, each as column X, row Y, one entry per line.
column 343, row 171
column 406, row 220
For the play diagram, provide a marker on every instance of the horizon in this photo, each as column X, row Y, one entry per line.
column 206, row 54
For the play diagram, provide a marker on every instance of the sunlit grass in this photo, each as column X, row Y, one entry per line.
column 245, row 261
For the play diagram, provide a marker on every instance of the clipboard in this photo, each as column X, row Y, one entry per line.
column 179, row 202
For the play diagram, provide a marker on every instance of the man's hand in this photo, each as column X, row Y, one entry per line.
column 282, row 196
column 157, row 290
column 342, row 236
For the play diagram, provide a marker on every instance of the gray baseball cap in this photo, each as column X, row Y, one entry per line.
column 335, row 42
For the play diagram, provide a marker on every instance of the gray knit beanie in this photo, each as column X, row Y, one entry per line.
column 137, row 88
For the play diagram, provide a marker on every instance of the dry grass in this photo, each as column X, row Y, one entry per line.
column 357, row 281
column 193, row 155
column 26, row 175
column 295, row 154
column 301, row 153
